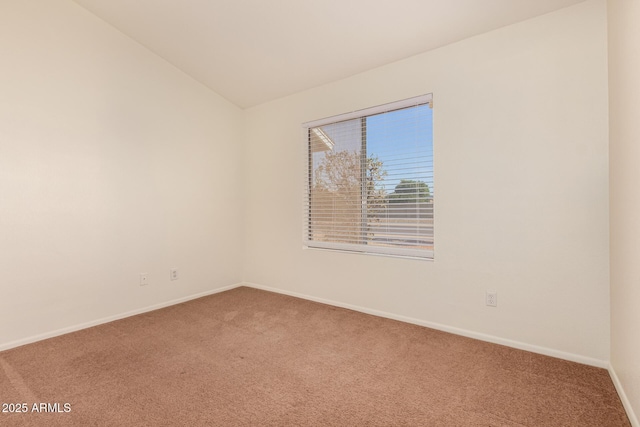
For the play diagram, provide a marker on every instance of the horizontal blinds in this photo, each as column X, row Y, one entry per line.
column 369, row 180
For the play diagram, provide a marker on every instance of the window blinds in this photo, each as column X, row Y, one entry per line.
column 369, row 180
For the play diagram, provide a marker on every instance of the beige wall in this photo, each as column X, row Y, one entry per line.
column 624, row 110
column 112, row 163
column 521, row 184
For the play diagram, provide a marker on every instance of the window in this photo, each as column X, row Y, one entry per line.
column 369, row 180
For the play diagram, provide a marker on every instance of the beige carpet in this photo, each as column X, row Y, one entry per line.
column 249, row 357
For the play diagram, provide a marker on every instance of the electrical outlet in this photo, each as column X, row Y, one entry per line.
column 173, row 274
column 144, row 279
column 492, row 298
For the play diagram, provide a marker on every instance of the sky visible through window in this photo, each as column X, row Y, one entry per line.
column 401, row 139
column 393, row 134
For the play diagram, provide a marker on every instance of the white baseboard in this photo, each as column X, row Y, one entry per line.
column 458, row 331
column 51, row 334
column 623, row 397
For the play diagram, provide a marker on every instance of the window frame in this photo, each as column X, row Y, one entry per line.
column 393, row 251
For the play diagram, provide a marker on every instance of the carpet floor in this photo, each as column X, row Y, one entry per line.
column 247, row 357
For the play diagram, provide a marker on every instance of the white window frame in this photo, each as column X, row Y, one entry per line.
column 347, row 247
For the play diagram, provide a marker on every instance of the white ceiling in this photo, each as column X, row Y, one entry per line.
column 254, row 51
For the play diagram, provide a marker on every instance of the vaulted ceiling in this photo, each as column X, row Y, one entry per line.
column 254, row 51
